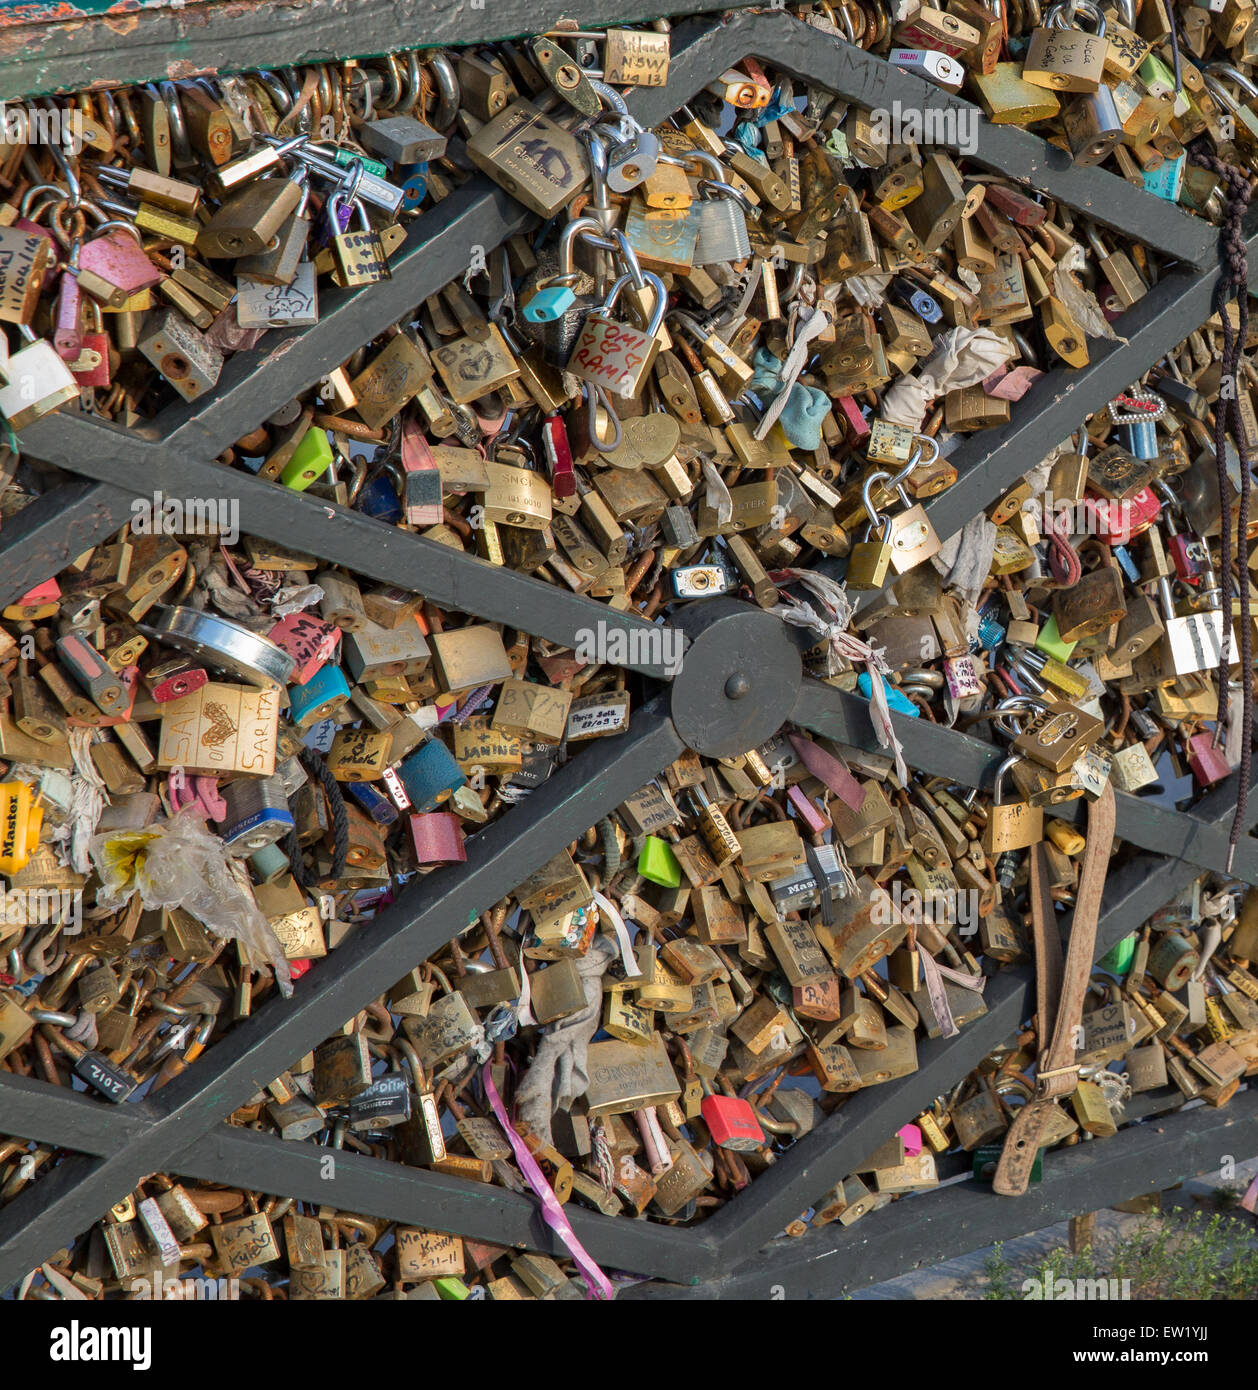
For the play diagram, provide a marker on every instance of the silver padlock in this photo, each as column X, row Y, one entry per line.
column 721, row 224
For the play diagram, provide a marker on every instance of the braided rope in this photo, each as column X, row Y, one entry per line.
column 1233, row 285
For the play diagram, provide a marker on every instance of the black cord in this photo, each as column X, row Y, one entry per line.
column 1233, row 285
column 1170, row 19
column 319, row 770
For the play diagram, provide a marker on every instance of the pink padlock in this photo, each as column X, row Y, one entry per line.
column 438, row 838
column 912, row 1137
column 808, row 811
column 113, row 266
column 1207, row 762
column 47, row 592
column 310, row 641
column 418, row 457
column 854, row 418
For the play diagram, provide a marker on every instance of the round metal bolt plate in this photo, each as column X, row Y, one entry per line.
column 739, row 678
column 222, row 644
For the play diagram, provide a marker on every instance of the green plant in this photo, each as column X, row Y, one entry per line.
column 1203, row 1257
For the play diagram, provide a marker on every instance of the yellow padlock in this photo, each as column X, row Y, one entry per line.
column 21, row 817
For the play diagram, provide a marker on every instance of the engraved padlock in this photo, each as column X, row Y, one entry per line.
column 1062, row 57
column 615, row 355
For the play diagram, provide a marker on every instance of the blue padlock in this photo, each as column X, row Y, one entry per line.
column 896, row 699
column 414, row 179
column 378, row 498
column 553, row 300
column 376, row 804
column 1142, row 439
column 430, row 775
column 1127, row 563
column 257, row 814
column 324, row 692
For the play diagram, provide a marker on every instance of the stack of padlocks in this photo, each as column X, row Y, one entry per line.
column 722, row 360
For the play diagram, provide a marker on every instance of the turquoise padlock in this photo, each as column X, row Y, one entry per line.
column 897, row 700
column 553, row 300
column 325, row 691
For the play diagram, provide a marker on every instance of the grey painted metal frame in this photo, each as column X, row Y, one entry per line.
column 919, row 1231
column 181, row 1127
column 209, row 36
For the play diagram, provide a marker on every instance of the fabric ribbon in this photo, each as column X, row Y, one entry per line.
column 598, row 1285
column 523, row 1008
column 557, row 1075
column 608, row 909
column 834, row 600
column 816, row 324
column 718, row 495
column 934, row 975
column 962, row 357
column 88, row 799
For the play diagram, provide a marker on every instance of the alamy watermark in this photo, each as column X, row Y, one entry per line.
column 605, row 645
column 951, row 906
column 197, row 516
column 189, row 1288
column 1049, row 1289
column 44, row 125
column 32, row 907
column 955, row 127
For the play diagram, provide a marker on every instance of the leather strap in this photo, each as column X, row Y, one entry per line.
column 1060, row 992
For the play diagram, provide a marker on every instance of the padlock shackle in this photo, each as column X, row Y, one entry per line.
column 180, row 146
column 876, row 518
column 1064, row 13
column 596, row 396
column 1217, row 90
column 998, row 790
column 727, row 190
column 1233, row 74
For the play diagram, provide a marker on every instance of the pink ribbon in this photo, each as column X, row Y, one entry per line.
column 198, row 791
column 597, row 1283
column 934, row 975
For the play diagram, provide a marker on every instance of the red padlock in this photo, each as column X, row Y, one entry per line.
column 438, row 838
column 91, row 367
column 563, row 480
column 1187, row 552
column 182, row 683
column 732, row 1122
column 1116, row 521
column 1207, row 762
column 853, row 417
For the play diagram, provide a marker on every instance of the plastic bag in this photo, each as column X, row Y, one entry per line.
column 179, row 863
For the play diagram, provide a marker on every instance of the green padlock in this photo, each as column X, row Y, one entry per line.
column 1118, row 961
column 452, row 1289
column 1050, row 642
column 658, row 864
column 310, row 461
